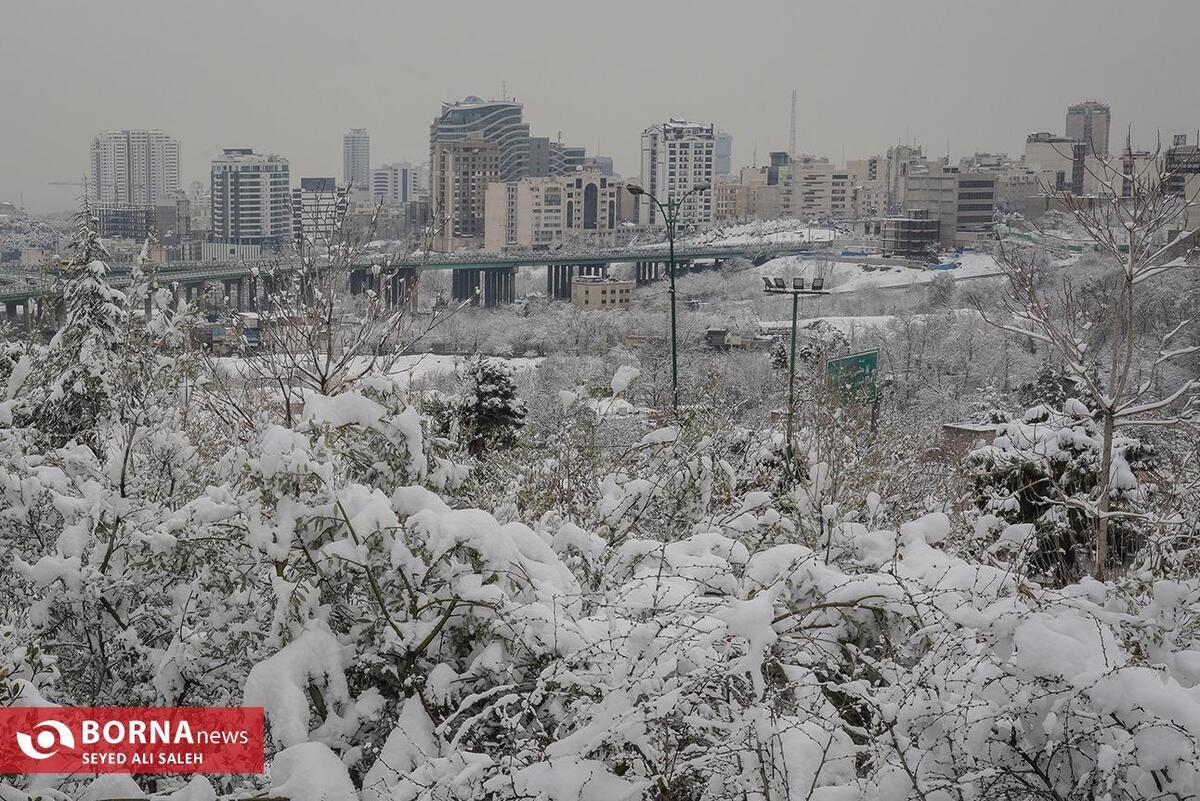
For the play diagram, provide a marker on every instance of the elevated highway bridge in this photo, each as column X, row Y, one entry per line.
column 485, row 277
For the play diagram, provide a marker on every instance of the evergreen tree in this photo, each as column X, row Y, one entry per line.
column 73, row 387
column 489, row 412
column 779, row 355
column 1044, row 469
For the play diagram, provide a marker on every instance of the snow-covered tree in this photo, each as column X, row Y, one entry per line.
column 1139, row 224
column 1042, row 468
column 490, row 413
column 71, row 391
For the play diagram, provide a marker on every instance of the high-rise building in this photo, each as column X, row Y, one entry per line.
column 496, row 121
column 1088, row 122
column 251, row 199
column 723, row 154
column 318, row 208
column 356, row 161
column 134, row 167
column 677, row 156
column 393, row 184
column 462, row 170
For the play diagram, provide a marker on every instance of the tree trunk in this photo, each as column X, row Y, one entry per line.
column 1105, row 501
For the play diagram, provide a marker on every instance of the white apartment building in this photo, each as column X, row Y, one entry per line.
column 133, row 167
column 393, row 184
column 535, row 212
column 356, row 161
column 678, row 156
column 815, row 189
column 251, row 199
column 318, row 208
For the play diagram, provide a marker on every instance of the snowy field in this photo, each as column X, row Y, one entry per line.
column 849, row 276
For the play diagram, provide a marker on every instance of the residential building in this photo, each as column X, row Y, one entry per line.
column 731, row 199
column 600, row 292
column 677, row 157
column 251, row 199
column 1088, row 122
column 536, row 212
column 498, row 122
column 356, row 161
column 806, row 187
column 393, row 184
column 133, row 167
column 318, row 207
column 812, row 188
column 462, row 170
column 130, row 171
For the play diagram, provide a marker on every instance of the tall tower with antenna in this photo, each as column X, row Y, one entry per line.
column 792, row 132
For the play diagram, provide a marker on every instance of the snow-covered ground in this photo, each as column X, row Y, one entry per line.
column 768, row 231
column 419, row 366
column 849, row 276
column 850, row 325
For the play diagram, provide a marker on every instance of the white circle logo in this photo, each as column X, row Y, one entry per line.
column 48, row 737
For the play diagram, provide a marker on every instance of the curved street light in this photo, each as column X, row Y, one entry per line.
column 670, row 214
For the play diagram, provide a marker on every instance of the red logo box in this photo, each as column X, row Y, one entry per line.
column 117, row 739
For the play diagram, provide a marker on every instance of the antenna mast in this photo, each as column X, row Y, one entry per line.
column 792, row 133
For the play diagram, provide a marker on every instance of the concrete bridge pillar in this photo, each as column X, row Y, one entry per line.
column 558, row 281
column 464, row 285
column 593, row 270
column 10, row 310
column 499, row 286
column 402, row 288
column 649, row 271
column 148, row 306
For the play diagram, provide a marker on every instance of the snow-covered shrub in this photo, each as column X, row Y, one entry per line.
column 1043, row 469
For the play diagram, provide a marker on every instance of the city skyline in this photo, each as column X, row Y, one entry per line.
column 984, row 104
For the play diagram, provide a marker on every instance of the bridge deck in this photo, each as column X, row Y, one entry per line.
column 16, row 286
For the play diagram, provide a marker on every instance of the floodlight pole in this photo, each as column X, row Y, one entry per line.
column 791, row 412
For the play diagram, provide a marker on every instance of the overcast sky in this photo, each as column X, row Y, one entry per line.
column 291, row 76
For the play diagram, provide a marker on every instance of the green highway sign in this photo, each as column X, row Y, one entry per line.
column 854, row 375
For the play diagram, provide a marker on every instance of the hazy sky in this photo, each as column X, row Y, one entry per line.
column 290, row 76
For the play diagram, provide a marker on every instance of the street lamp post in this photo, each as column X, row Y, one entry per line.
column 671, row 216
